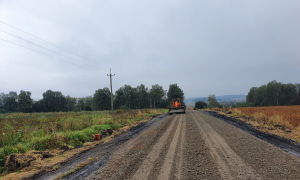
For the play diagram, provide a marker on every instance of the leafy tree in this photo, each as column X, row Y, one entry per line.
column 251, row 95
column 102, row 100
column 200, row 105
column 126, row 95
column 2, row 100
column 260, row 97
column 80, row 104
column 54, row 101
column 70, row 103
column 212, row 101
column 88, row 102
column 143, row 96
column 38, row 106
column 274, row 93
column 24, row 101
column 286, row 94
column 296, row 99
column 10, row 101
column 273, row 89
column 174, row 89
column 124, row 107
column 156, row 94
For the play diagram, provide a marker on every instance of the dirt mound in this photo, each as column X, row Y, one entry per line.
column 17, row 162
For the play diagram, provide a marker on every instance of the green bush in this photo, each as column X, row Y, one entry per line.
column 2, row 111
column 124, row 107
column 200, row 105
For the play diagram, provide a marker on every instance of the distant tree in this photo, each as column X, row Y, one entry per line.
column 102, row 100
column 251, row 95
column 70, row 103
column 54, row 101
column 10, row 101
column 24, row 101
column 124, row 107
column 38, row 106
column 126, row 95
column 88, row 102
column 296, row 99
column 80, row 104
column 157, row 93
column 174, row 89
column 286, row 94
column 2, row 100
column 212, row 101
column 273, row 89
column 143, row 96
column 88, row 108
column 200, row 105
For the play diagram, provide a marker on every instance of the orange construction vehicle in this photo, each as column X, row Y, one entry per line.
column 176, row 106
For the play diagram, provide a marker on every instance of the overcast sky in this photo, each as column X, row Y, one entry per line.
column 206, row 47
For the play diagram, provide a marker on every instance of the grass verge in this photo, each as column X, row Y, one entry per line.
column 274, row 124
column 71, row 129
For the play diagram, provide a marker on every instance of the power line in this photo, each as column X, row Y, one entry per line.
column 50, row 43
column 49, row 55
column 124, row 81
column 48, row 49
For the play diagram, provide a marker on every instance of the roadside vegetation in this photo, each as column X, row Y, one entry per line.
column 280, row 120
column 126, row 97
column 21, row 132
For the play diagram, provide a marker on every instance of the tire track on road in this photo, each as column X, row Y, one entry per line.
column 147, row 165
column 231, row 166
column 179, row 160
column 168, row 163
column 127, row 157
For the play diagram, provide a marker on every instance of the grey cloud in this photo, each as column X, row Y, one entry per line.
column 220, row 47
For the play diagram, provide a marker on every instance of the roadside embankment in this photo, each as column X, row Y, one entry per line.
column 278, row 133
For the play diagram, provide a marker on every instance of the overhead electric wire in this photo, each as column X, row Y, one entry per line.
column 50, row 55
column 48, row 49
column 50, row 43
column 125, row 81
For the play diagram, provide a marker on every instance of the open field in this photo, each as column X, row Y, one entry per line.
column 290, row 114
column 20, row 132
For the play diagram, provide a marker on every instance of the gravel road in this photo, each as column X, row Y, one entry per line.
column 196, row 145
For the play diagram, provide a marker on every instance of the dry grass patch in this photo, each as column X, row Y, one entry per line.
column 280, row 120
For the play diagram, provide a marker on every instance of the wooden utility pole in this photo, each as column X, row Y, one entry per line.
column 112, row 105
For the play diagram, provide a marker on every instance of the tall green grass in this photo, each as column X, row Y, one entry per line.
column 41, row 131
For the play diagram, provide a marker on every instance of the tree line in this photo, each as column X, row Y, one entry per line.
column 210, row 103
column 126, row 97
column 274, row 94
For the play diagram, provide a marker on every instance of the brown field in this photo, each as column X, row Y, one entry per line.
column 190, row 108
column 290, row 114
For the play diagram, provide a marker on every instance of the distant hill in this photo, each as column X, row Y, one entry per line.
column 219, row 98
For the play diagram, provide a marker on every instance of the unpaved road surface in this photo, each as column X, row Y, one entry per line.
column 195, row 145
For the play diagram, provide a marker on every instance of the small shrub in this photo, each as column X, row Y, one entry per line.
column 200, row 105
column 2, row 111
column 124, row 108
